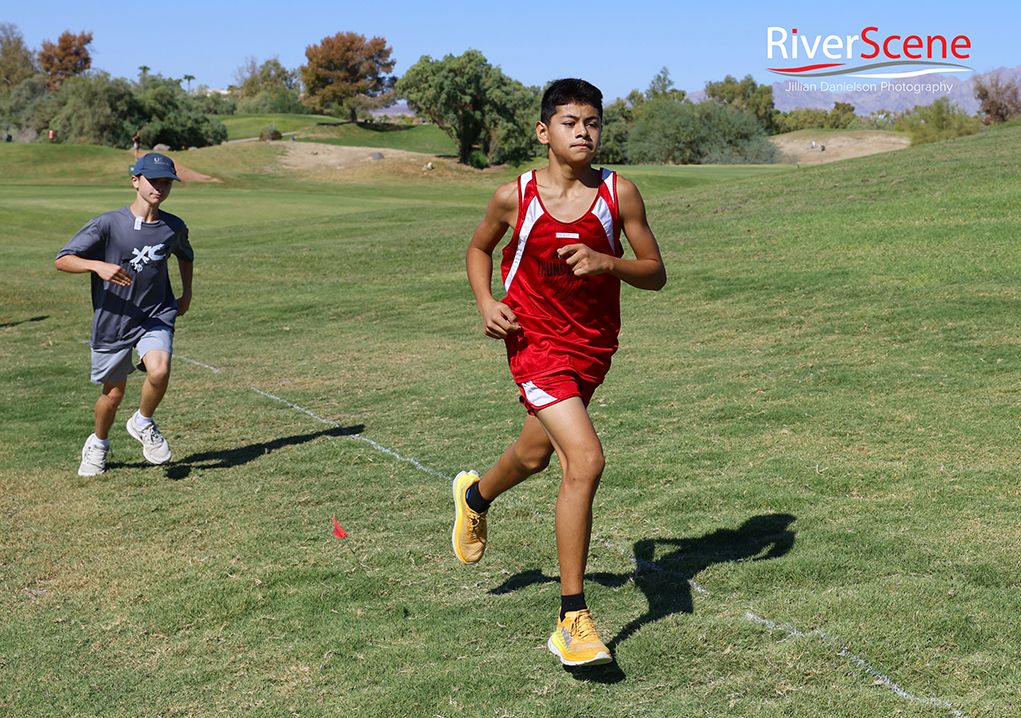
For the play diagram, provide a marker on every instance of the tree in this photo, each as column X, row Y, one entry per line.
column 189, row 78
column 172, row 117
column 266, row 88
column 875, row 120
column 17, row 63
column 243, row 74
column 942, row 120
column 998, row 100
column 215, row 102
column 841, row 116
column 666, row 131
column 619, row 118
column 745, row 95
column 346, row 72
column 95, row 110
column 20, row 106
column 803, row 118
column 69, row 57
column 270, row 76
column 663, row 86
column 474, row 103
column 278, row 101
column 452, row 93
column 509, row 131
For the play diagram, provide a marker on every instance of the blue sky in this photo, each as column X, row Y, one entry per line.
column 618, row 45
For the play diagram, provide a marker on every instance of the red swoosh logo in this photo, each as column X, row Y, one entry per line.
column 806, row 68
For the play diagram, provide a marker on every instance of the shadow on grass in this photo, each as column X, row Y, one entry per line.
column 377, row 127
column 24, row 321
column 667, row 581
column 238, row 456
column 384, row 127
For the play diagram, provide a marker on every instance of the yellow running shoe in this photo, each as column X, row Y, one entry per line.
column 469, row 536
column 576, row 642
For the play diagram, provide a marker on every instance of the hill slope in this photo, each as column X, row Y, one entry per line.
column 809, row 507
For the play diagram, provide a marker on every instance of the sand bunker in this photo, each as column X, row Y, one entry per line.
column 838, row 146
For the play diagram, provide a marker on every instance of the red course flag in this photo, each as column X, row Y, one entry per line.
column 338, row 531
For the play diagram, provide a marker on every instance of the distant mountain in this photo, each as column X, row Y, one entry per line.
column 868, row 95
column 401, row 108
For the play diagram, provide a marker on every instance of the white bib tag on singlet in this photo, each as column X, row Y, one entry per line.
column 138, row 223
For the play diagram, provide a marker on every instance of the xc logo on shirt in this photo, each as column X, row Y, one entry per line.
column 145, row 255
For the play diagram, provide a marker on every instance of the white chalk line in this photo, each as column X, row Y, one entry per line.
column 858, row 661
column 770, row 625
column 790, row 630
column 210, row 368
column 359, row 437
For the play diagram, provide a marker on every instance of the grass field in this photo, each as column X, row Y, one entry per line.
column 413, row 138
column 242, row 127
column 329, row 130
column 810, row 506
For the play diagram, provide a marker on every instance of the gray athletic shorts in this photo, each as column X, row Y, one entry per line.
column 112, row 365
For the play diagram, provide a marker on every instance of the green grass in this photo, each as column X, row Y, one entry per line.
column 429, row 139
column 63, row 164
column 815, row 422
column 242, row 127
column 318, row 128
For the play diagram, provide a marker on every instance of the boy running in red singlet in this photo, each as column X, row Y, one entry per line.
column 560, row 317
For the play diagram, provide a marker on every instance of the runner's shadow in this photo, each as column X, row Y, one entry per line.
column 24, row 321
column 238, row 456
column 667, row 581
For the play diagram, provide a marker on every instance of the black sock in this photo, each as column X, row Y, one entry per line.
column 475, row 501
column 575, row 602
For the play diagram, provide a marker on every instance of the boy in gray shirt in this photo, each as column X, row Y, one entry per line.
column 126, row 251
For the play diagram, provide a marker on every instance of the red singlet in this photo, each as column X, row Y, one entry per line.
column 567, row 322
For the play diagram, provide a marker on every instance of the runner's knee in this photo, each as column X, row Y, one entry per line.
column 113, row 395
column 586, row 470
column 532, row 459
column 158, row 371
column 160, row 376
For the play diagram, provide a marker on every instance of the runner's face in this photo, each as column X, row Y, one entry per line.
column 573, row 132
column 153, row 190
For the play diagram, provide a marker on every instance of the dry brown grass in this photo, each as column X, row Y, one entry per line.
column 838, row 145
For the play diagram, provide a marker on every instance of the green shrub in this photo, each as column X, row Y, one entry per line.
column 942, row 120
column 270, row 132
column 477, row 159
column 95, row 110
column 685, row 133
column 277, row 101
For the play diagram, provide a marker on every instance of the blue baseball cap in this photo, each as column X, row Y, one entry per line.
column 154, row 165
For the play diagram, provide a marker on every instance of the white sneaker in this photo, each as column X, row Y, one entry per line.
column 93, row 458
column 155, row 448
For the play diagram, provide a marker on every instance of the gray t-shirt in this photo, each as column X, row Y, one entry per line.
column 124, row 314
